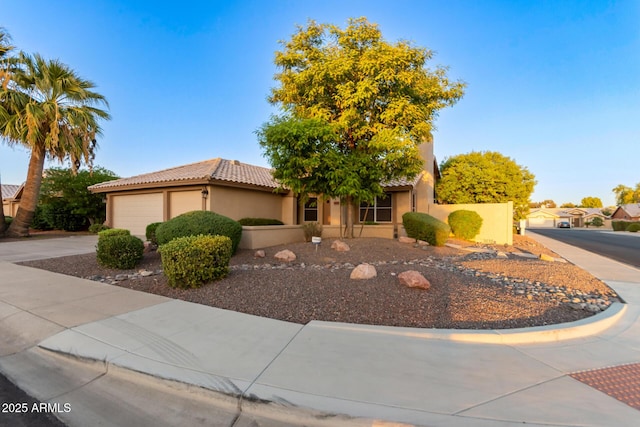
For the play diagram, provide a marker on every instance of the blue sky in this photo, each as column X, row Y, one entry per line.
column 555, row 85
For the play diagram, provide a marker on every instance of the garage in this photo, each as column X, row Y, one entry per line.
column 540, row 222
column 134, row 212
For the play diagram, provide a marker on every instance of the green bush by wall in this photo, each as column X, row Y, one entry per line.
column 96, row 228
column 192, row 261
column 111, row 232
column 150, row 232
column 422, row 226
column 620, row 225
column 634, row 227
column 259, row 221
column 199, row 222
column 119, row 251
column 465, row 224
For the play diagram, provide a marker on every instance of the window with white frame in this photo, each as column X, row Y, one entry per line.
column 311, row 210
column 379, row 211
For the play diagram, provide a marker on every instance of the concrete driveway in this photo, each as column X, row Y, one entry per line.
column 31, row 249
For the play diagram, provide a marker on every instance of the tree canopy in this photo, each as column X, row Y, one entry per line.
column 591, row 202
column 626, row 195
column 485, row 177
column 354, row 110
column 62, row 186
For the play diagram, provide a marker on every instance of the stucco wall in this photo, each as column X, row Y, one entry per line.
column 184, row 201
column 497, row 220
column 239, row 203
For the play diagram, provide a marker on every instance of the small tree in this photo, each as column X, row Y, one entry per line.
column 355, row 107
column 487, row 177
column 61, row 187
column 567, row 205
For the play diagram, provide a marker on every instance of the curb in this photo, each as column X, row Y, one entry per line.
column 534, row 335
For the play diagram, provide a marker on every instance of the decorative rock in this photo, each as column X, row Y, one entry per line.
column 340, row 246
column 145, row 273
column 285, row 256
column 363, row 272
column 404, row 239
column 423, row 243
column 545, row 257
column 501, row 255
column 592, row 308
column 413, row 279
column 259, row 254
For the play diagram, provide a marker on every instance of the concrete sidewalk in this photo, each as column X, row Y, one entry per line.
column 229, row 369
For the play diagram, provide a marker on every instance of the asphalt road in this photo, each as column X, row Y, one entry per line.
column 621, row 246
column 18, row 409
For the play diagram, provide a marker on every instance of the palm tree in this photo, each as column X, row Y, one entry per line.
column 52, row 111
column 5, row 48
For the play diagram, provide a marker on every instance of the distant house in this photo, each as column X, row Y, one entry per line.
column 11, row 195
column 629, row 212
column 550, row 217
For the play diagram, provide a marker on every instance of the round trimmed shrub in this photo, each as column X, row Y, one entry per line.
column 111, row 232
column 465, row 224
column 96, row 228
column 150, row 232
column 199, row 222
column 192, row 261
column 634, row 227
column 120, row 251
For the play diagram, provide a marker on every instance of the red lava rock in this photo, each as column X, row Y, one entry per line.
column 413, row 279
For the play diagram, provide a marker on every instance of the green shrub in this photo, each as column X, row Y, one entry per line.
column 96, row 228
column 311, row 229
column 111, row 232
column 119, row 251
column 39, row 222
column 199, row 222
column 597, row 222
column 260, row 221
column 425, row 227
column 192, row 261
column 620, row 225
column 465, row 224
column 150, row 232
column 60, row 216
column 8, row 220
column 634, row 227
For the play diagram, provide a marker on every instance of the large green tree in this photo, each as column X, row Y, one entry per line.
column 485, row 177
column 55, row 113
column 591, row 202
column 66, row 188
column 352, row 97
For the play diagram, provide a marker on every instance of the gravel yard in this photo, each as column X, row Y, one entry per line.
column 470, row 290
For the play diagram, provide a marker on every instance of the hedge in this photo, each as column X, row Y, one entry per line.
column 260, row 221
column 119, row 251
column 634, row 227
column 422, row 226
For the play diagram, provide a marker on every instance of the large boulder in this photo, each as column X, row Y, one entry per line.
column 340, row 246
column 405, row 239
column 363, row 272
column 413, row 279
column 285, row 256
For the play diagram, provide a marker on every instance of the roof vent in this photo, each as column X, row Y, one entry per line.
column 235, row 162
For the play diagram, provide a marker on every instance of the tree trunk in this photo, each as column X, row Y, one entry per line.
column 20, row 225
column 350, row 217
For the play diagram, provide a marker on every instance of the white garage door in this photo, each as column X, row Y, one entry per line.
column 135, row 212
column 541, row 222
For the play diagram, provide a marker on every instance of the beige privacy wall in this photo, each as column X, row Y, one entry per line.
column 497, row 220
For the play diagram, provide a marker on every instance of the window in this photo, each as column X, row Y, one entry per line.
column 311, row 210
column 380, row 211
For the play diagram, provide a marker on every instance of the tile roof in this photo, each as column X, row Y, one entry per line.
column 208, row 170
column 633, row 209
column 402, row 182
column 9, row 191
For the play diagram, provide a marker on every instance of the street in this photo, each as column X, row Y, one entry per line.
column 18, row 410
column 620, row 246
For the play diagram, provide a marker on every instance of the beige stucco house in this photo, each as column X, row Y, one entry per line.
column 11, row 195
column 550, row 217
